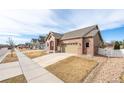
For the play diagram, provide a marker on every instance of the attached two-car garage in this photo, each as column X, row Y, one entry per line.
column 70, row 48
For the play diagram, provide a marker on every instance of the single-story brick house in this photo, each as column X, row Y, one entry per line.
column 82, row 41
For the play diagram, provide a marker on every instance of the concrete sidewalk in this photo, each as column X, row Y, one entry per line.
column 33, row 72
column 8, row 70
column 51, row 58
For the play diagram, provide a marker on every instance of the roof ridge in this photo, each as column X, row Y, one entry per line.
column 80, row 32
column 81, row 28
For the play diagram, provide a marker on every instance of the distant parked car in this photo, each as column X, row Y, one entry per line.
column 9, row 48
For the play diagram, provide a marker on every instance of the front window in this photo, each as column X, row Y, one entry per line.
column 87, row 44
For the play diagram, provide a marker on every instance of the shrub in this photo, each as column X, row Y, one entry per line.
column 117, row 45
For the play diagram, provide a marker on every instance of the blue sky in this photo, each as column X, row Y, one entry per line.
column 22, row 25
column 113, row 34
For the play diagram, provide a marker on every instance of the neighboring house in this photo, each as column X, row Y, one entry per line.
column 41, row 40
column 28, row 45
column 81, row 41
column 21, row 46
column 109, row 45
column 35, row 44
column 4, row 46
column 38, row 43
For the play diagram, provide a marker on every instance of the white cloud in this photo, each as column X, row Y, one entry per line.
column 16, row 40
column 25, row 21
column 106, row 19
column 20, row 40
column 20, row 22
column 16, row 23
column 8, row 34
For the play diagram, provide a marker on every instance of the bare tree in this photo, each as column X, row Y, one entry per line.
column 11, row 44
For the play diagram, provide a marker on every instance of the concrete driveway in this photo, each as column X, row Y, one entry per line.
column 51, row 58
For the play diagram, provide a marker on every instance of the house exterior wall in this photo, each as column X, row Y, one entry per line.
column 94, row 43
column 50, row 38
column 58, row 45
column 75, row 45
column 97, row 43
column 88, row 50
column 72, row 43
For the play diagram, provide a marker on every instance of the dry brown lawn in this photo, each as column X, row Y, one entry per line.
column 34, row 54
column 16, row 79
column 73, row 69
column 10, row 58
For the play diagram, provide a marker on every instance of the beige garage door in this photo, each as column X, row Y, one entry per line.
column 71, row 48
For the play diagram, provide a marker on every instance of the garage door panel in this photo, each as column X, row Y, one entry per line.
column 71, row 48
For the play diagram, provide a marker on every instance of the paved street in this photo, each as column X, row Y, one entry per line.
column 3, row 51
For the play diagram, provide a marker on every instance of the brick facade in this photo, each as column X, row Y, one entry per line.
column 87, row 44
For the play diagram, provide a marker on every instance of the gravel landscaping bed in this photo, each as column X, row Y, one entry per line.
column 122, row 78
column 110, row 71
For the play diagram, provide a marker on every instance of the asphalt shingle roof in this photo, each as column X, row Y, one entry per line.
column 81, row 32
column 91, row 33
column 57, row 35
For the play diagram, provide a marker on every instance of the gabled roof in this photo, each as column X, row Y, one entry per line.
column 56, row 35
column 81, row 32
column 91, row 33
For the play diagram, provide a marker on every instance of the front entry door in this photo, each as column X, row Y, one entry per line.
column 86, row 47
column 51, row 45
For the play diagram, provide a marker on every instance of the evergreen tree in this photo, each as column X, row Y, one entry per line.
column 123, row 44
column 117, row 45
